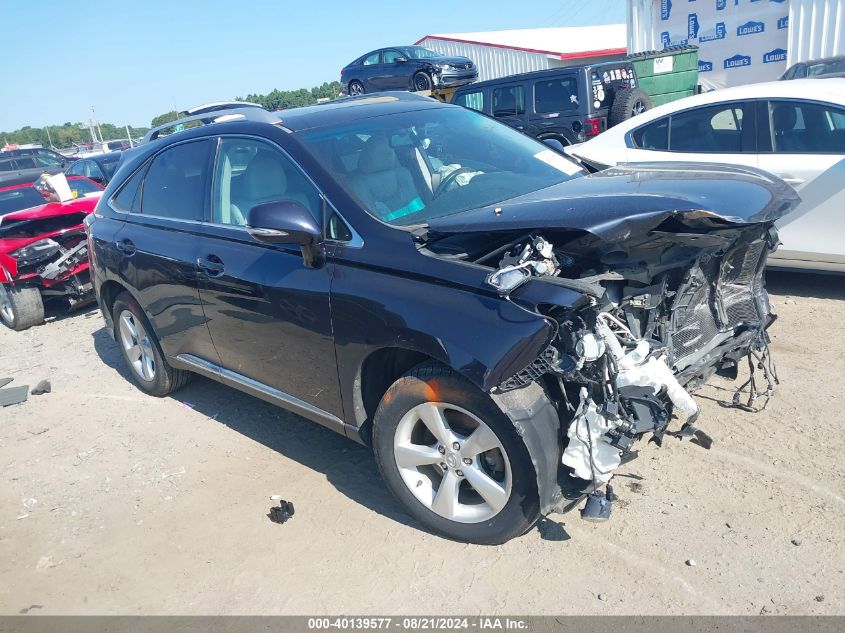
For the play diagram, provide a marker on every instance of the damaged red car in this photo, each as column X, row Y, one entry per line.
column 43, row 252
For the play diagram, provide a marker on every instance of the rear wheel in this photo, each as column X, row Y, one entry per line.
column 627, row 103
column 21, row 307
column 141, row 350
column 421, row 82
column 356, row 87
column 453, row 459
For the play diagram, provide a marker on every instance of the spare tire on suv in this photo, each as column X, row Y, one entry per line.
column 628, row 102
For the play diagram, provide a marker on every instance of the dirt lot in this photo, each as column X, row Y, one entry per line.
column 116, row 503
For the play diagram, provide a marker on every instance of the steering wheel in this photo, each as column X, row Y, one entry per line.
column 450, row 179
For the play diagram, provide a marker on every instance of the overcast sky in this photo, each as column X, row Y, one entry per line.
column 135, row 59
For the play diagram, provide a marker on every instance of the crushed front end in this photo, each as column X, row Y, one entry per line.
column 665, row 299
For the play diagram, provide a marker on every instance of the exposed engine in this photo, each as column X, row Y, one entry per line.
column 657, row 319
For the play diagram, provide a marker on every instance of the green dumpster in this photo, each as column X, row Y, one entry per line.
column 668, row 74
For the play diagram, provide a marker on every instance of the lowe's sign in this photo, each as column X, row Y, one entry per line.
column 739, row 41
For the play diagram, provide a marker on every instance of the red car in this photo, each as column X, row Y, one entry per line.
column 43, row 251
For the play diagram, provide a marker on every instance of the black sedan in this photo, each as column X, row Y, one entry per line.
column 99, row 168
column 406, row 68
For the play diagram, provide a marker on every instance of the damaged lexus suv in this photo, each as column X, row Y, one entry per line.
column 500, row 327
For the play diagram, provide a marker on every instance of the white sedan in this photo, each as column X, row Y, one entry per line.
column 794, row 129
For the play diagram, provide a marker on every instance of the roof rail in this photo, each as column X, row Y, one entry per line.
column 218, row 105
column 249, row 113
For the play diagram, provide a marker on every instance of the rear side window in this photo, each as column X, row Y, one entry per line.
column 175, row 183
column 129, row 198
column 556, row 95
column 807, row 128
column 473, row 100
column 654, row 136
column 508, row 101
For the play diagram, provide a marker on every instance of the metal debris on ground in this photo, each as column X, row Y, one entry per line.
column 282, row 512
column 42, row 387
column 13, row 395
column 5, row 381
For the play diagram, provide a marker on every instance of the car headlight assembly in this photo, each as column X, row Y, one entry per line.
column 36, row 252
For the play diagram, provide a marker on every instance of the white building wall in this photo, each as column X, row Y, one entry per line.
column 816, row 29
column 492, row 61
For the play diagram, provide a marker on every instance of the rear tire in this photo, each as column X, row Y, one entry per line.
column 355, row 88
column 141, row 351
column 627, row 103
column 488, row 483
column 21, row 307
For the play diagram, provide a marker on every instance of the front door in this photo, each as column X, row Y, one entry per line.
column 267, row 312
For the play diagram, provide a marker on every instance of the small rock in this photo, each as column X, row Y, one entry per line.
column 819, row 598
column 41, row 388
column 796, row 541
column 602, row 597
column 729, row 526
column 47, row 561
column 690, row 563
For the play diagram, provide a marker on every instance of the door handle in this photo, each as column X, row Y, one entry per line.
column 211, row 265
column 126, row 247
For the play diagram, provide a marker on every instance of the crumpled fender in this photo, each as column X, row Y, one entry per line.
column 536, row 420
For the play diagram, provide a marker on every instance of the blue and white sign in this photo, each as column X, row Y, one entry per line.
column 739, row 41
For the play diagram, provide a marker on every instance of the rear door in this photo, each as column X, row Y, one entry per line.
column 803, row 142
column 508, row 104
column 159, row 245
column 267, row 312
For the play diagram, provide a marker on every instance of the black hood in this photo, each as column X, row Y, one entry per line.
column 633, row 199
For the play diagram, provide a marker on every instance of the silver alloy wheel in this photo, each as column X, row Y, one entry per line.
column 452, row 462
column 138, row 346
column 356, row 88
column 639, row 108
column 6, row 305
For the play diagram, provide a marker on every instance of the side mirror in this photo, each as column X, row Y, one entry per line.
column 555, row 144
column 287, row 222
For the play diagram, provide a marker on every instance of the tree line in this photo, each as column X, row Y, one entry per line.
column 68, row 134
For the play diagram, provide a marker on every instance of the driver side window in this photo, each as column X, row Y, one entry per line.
column 249, row 173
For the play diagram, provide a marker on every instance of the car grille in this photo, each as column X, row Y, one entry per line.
column 718, row 296
column 460, row 66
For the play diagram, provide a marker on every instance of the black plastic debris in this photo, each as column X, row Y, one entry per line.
column 598, row 507
column 13, row 395
column 41, row 388
column 282, row 512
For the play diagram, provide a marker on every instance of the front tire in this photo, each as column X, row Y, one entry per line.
column 421, row 82
column 21, row 307
column 141, row 351
column 453, row 459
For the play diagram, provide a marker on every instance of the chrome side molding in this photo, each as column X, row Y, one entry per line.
column 260, row 390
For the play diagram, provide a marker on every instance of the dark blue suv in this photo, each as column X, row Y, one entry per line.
column 434, row 284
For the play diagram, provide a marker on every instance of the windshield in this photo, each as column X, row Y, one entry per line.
column 418, row 52
column 19, row 199
column 834, row 66
column 411, row 167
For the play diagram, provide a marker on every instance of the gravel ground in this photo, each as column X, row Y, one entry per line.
column 113, row 502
